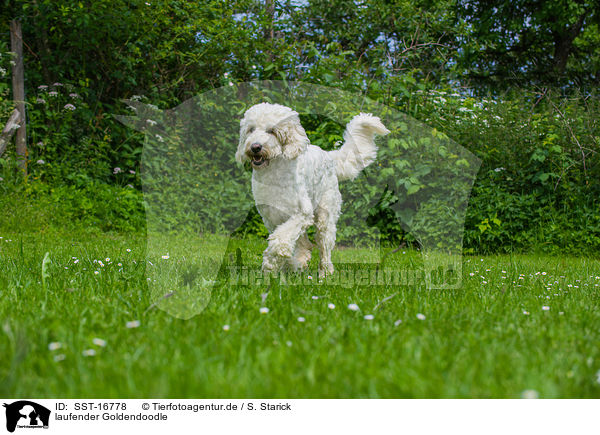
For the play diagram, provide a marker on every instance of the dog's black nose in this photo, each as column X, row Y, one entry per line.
column 255, row 148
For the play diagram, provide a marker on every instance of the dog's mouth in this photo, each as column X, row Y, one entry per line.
column 259, row 162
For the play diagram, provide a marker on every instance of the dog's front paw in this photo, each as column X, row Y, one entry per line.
column 279, row 247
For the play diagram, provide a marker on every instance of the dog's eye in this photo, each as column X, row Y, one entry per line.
column 271, row 131
column 251, row 129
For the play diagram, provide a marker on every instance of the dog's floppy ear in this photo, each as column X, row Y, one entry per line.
column 240, row 154
column 292, row 136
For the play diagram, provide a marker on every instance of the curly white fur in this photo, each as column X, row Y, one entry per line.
column 295, row 184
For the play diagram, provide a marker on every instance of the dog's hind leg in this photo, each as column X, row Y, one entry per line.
column 325, row 223
column 302, row 253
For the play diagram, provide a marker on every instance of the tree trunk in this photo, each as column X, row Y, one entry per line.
column 18, row 84
column 563, row 44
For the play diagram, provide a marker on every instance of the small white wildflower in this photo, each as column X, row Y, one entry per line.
column 301, row 319
column 42, row 87
column 53, row 93
column 225, row 327
column 288, row 343
column 526, row 313
column 159, row 138
column 151, row 122
column 128, row 250
column 165, row 257
column 530, row 394
column 57, row 84
column 96, row 272
column 89, row 352
column 132, row 324
column 131, row 171
column 331, row 306
column 54, row 345
column 41, row 162
column 69, row 106
column 264, row 310
column 397, row 322
column 59, row 357
column 310, row 277
column 421, row 316
column 353, row 307
column 546, row 308
column 314, row 298
column 369, row 317
column 40, row 101
column 99, row 342
column 73, row 95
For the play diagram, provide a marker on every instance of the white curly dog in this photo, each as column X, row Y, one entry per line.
column 295, row 184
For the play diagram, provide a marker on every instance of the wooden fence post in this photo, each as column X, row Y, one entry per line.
column 18, row 84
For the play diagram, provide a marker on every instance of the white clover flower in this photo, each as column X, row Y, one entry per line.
column 54, row 345
column 353, row 307
column 369, row 317
column 314, row 298
column 331, row 306
column 264, row 310
column 421, row 316
column 99, row 342
column 133, row 324
column 301, row 319
column 89, row 352
column 225, row 327
column 397, row 322
column 59, row 357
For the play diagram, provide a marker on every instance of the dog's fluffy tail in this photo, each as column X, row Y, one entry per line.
column 359, row 149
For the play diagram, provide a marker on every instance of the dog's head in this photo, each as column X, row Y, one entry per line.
column 268, row 131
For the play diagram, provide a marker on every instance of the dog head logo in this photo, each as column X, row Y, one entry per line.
column 193, row 184
column 26, row 414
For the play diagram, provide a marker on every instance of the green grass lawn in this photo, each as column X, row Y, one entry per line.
column 526, row 322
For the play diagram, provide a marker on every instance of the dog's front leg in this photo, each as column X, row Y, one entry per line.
column 282, row 242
